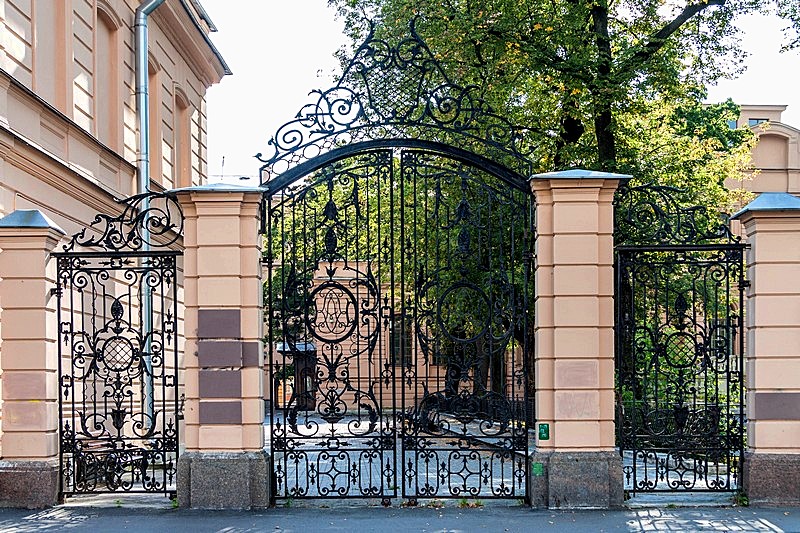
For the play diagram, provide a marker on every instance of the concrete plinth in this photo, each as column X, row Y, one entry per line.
column 224, row 480
column 576, row 480
column 28, row 484
column 772, row 478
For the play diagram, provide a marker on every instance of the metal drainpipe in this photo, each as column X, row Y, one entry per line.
column 143, row 173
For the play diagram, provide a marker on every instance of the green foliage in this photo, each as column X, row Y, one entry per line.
column 614, row 86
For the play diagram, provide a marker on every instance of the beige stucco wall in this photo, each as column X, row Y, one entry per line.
column 776, row 156
column 56, row 70
column 68, row 130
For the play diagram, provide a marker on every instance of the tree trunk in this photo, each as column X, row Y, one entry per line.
column 602, row 91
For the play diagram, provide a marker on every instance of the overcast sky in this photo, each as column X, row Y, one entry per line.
column 280, row 50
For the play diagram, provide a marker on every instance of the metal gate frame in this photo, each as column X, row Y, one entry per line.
column 423, row 418
column 119, row 406
column 391, row 98
column 679, row 303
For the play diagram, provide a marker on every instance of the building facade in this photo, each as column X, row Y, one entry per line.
column 68, row 123
column 68, row 128
column 777, row 154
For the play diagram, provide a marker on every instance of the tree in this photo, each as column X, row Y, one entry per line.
column 589, row 70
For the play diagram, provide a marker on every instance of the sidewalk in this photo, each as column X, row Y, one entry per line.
column 125, row 514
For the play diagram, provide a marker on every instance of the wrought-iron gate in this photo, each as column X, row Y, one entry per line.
column 398, row 297
column 399, row 229
column 118, row 350
column 679, row 304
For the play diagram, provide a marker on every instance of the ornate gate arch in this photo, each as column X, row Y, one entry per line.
column 399, row 229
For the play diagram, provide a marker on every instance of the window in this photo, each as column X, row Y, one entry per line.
column 756, row 121
column 401, row 342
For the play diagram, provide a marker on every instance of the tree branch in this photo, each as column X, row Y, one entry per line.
column 657, row 41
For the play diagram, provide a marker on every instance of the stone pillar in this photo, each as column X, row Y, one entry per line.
column 29, row 471
column 225, row 466
column 771, row 468
column 575, row 463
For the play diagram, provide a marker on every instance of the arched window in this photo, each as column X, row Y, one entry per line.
column 107, row 90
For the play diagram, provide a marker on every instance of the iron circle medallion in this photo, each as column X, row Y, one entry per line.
column 336, row 312
column 464, row 304
column 118, row 354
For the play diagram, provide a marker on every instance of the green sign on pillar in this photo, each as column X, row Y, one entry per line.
column 544, row 431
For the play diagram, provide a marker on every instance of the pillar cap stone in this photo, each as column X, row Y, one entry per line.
column 219, row 187
column 31, row 219
column 770, row 201
column 579, row 173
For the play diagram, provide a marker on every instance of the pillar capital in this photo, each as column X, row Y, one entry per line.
column 218, row 193
column 29, row 229
column 770, row 205
column 576, row 178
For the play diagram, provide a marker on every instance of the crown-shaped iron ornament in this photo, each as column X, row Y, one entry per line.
column 395, row 93
column 153, row 218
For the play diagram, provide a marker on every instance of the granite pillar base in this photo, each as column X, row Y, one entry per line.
column 225, row 480
column 771, row 479
column 576, row 480
column 29, row 484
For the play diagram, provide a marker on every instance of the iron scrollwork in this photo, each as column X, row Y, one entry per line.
column 662, row 215
column 398, row 319
column 466, row 434
column 397, row 91
column 679, row 299
column 118, row 365
column 147, row 219
column 333, row 429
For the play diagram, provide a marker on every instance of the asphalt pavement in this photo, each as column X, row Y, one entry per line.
column 129, row 514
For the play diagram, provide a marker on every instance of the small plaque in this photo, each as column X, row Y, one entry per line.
column 538, row 469
column 544, row 431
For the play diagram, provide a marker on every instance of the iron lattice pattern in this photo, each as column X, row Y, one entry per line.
column 118, row 351
column 399, row 331
column 679, row 301
column 395, row 92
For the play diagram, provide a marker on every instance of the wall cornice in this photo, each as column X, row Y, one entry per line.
column 54, row 114
column 191, row 41
column 55, row 172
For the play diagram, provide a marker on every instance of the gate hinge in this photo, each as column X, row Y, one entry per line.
column 745, row 284
column 56, row 291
